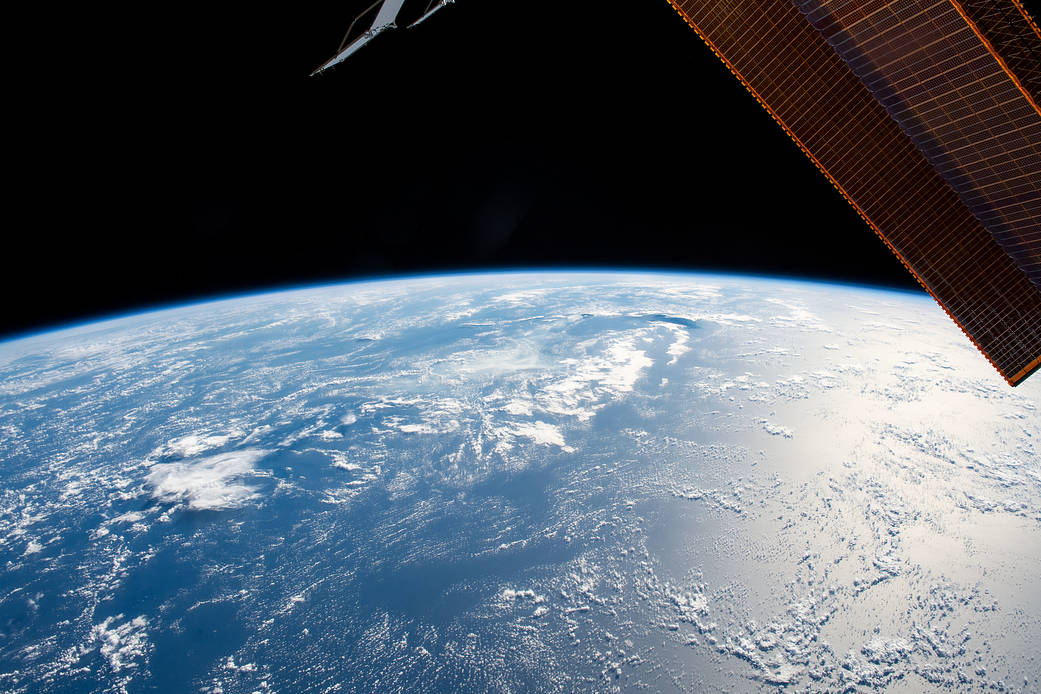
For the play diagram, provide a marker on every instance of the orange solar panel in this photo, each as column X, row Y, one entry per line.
column 1014, row 36
column 936, row 74
column 916, row 119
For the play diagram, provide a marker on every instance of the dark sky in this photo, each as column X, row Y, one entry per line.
column 194, row 156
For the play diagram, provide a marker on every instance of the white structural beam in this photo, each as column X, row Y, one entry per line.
column 385, row 18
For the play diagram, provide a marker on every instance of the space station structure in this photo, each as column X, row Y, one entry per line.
column 373, row 21
column 925, row 115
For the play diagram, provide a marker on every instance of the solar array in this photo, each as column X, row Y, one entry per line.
column 958, row 102
column 1014, row 35
column 923, row 128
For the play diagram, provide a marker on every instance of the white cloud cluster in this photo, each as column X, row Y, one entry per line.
column 212, row 483
column 122, row 644
column 540, row 432
column 194, row 444
column 511, row 594
column 680, row 347
column 592, row 381
column 798, row 317
column 776, row 429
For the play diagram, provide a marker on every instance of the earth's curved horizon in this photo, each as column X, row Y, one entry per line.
column 544, row 481
column 291, row 287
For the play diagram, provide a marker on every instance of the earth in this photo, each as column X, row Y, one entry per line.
column 520, row 482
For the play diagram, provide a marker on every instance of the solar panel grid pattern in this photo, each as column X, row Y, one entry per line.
column 927, row 66
column 811, row 92
column 1014, row 35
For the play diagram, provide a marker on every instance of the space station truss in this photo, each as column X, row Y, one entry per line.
column 925, row 116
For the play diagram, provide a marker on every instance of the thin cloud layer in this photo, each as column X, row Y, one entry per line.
column 208, row 484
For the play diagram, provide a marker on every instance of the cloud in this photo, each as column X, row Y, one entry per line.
column 540, row 432
column 122, row 644
column 212, row 483
column 194, row 444
column 776, row 429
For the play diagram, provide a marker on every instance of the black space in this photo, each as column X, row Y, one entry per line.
column 190, row 155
